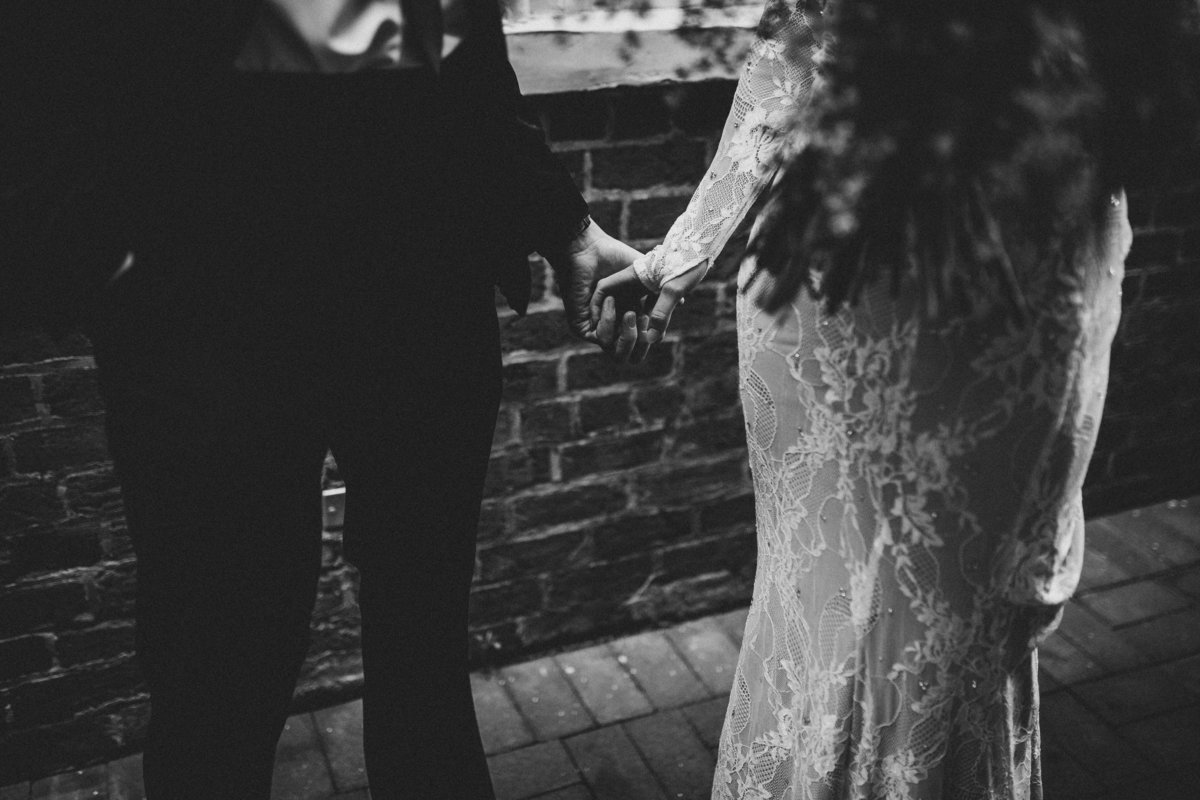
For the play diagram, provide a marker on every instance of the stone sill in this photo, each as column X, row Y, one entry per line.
column 596, row 49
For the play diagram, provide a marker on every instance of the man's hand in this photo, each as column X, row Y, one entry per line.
column 579, row 266
column 624, row 290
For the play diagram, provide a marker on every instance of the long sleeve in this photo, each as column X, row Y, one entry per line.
column 775, row 82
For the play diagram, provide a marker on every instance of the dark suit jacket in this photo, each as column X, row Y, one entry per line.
column 82, row 84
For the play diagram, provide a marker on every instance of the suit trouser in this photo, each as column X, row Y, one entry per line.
column 294, row 294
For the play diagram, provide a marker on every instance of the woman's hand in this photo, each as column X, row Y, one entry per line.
column 624, row 290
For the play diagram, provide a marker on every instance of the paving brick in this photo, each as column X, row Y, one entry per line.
column 1168, row 637
column 1134, row 602
column 1130, row 696
column 17, row 791
column 546, row 700
column 675, row 753
column 1068, row 725
column 664, row 677
column 1170, row 531
column 707, row 719
column 708, row 652
column 1094, row 636
column 1064, row 778
column 1169, row 739
column 611, row 766
column 603, row 684
column 340, row 731
column 1186, row 673
column 125, row 779
column 82, row 784
column 531, row 771
column 733, row 623
column 1128, row 549
column 1098, row 569
column 578, row 791
column 1188, row 582
column 500, row 724
column 300, row 769
column 1065, row 662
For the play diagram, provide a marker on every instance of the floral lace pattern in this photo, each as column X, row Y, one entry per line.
column 777, row 75
column 918, row 499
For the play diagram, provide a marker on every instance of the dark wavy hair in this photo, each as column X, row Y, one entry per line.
column 937, row 118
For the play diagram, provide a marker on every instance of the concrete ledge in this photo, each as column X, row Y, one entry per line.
column 567, row 52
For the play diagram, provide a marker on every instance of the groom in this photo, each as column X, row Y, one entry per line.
column 303, row 208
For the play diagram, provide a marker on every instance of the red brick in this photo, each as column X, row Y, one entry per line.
column 1179, row 208
column 56, row 697
column 567, row 504
column 672, row 163
column 653, row 217
column 710, row 436
column 712, row 356
column 93, row 493
column 25, row 655
column 72, row 392
column 592, row 369
column 640, row 112
column 607, row 214
column 704, row 106
column 501, row 601
column 550, row 421
column 516, row 468
column 30, row 502
column 730, row 553
column 604, row 412
column 29, row 346
column 715, row 396
column 104, row 642
column 692, row 483
column 732, row 514
column 574, row 116
column 61, row 448
column 615, row 582
column 17, row 400
column 523, row 379
column 540, row 330
column 40, row 605
column 562, row 549
column 630, row 534
column 56, row 547
column 617, row 452
column 658, row 403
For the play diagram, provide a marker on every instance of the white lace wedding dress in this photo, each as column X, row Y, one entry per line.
column 918, row 499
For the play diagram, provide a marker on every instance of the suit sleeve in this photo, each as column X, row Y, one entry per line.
column 532, row 191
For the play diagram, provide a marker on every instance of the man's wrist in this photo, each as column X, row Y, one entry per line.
column 569, row 242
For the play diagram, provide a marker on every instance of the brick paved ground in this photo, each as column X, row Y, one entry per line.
column 638, row 718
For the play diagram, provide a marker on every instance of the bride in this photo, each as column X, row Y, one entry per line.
column 924, row 325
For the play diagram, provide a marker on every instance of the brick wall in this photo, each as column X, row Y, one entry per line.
column 617, row 498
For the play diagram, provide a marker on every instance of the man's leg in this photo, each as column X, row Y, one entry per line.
column 220, row 476
column 414, row 458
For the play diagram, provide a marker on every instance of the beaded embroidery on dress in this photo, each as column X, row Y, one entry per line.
column 917, row 491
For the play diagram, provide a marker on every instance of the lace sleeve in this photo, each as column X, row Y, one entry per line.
column 775, row 81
